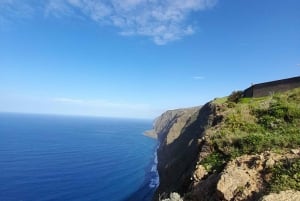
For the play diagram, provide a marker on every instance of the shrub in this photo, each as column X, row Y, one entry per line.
column 235, row 96
column 252, row 143
column 214, row 162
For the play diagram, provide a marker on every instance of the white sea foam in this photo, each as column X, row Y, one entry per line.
column 154, row 181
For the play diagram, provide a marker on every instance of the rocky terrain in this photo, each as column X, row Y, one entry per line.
column 231, row 149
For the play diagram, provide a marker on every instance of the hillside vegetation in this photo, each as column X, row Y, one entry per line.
column 254, row 125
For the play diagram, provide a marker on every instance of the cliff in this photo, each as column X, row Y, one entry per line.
column 248, row 150
column 169, row 119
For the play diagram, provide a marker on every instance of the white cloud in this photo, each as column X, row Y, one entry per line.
column 198, row 78
column 161, row 20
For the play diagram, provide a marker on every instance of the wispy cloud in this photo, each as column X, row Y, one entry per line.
column 161, row 20
column 75, row 106
column 68, row 100
column 99, row 107
column 198, row 77
column 97, row 103
column 12, row 10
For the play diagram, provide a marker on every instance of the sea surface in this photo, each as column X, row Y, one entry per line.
column 63, row 158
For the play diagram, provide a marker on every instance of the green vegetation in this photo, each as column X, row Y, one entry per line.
column 286, row 176
column 235, row 96
column 220, row 100
column 254, row 125
column 214, row 162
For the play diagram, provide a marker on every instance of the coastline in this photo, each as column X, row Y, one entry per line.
column 151, row 133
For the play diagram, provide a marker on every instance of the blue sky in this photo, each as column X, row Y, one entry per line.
column 138, row 58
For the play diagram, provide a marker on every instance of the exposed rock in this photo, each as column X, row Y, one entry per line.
column 270, row 163
column 204, row 190
column 199, row 173
column 231, row 182
column 282, row 196
column 240, row 179
column 295, row 151
column 174, row 197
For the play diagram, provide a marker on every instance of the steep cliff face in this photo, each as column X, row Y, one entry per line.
column 179, row 146
column 170, row 119
column 228, row 151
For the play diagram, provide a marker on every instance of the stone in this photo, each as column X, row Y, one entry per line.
column 199, row 173
column 230, row 182
column 295, row 151
column 174, row 197
column 269, row 163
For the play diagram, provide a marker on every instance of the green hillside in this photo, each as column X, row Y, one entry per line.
column 255, row 125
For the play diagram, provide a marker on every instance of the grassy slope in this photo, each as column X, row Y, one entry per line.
column 255, row 125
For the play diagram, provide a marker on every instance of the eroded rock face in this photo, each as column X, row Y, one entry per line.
column 179, row 148
column 233, row 181
column 240, row 179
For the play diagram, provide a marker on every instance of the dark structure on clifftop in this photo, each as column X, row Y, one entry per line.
column 265, row 89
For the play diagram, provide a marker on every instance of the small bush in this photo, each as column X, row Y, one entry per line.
column 214, row 162
column 252, row 143
column 235, row 96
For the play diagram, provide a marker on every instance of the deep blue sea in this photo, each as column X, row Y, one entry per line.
column 63, row 158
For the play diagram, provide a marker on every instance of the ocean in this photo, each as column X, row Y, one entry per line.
column 64, row 158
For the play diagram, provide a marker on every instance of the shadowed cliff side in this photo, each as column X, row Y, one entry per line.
column 179, row 148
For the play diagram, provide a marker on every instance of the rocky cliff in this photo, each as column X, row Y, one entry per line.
column 247, row 150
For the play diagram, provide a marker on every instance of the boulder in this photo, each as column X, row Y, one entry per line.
column 199, row 173
column 232, row 181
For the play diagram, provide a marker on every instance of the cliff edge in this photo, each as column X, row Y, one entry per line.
column 245, row 149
